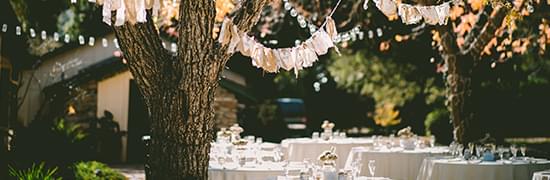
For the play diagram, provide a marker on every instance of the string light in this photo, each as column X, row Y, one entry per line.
column 104, row 42
column 56, row 36
column 4, row 27
column 18, row 30
column 67, row 38
column 115, row 41
column 91, row 41
column 32, row 32
column 174, row 47
column 43, row 35
column 80, row 39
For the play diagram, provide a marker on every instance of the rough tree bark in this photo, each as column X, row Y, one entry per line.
column 461, row 62
column 179, row 89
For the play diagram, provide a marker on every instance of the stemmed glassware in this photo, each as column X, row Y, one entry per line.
column 356, row 164
column 432, row 141
column 315, row 136
column 514, row 150
column 479, row 151
column 285, row 168
column 523, row 150
column 501, row 150
column 372, row 167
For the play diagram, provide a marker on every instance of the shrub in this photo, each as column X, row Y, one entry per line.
column 93, row 170
column 35, row 172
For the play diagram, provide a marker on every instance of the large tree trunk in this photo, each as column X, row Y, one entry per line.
column 460, row 64
column 179, row 90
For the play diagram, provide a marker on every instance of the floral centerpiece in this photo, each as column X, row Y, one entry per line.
column 236, row 131
column 328, row 159
column 223, row 135
column 407, row 138
column 327, row 127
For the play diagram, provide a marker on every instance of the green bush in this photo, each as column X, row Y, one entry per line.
column 34, row 173
column 93, row 170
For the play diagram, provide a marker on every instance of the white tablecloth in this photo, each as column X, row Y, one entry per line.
column 445, row 169
column 542, row 175
column 397, row 163
column 232, row 172
column 300, row 148
column 357, row 178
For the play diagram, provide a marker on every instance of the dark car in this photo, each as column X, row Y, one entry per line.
column 292, row 112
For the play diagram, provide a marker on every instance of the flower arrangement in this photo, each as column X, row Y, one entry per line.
column 327, row 156
column 406, row 132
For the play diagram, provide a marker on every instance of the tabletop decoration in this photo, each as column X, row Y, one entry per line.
column 407, row 138
column 236, row 131
column 223, row 135
column 328, row 159
column 327, row 127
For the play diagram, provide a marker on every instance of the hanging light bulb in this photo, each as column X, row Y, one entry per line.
column 346, row 37
column 379, row 32
column 73, row 1
column 174, row 47
column 18, row 30
column 293, row 13
column 32, row 33
column 104, row 42
column 366, row 5
column 493, row 65
column 56, row 36
column 91, row 41
column 361, row 35
column 287, row 6
column 67, row 38
column 312, row 28
column 370, row 34
column 4, row 28
column 115, row 41
column 43, row 35
column 530, row 8
column 80, row 39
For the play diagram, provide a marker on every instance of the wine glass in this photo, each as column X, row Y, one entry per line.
column 315, row 135
column 479, row 151
column 285, row 168
column 501, row 150
column 372, row 167
column 356, row 163
column 514, row 150
column 221, row 160
column 432, row 141
column 523, row 150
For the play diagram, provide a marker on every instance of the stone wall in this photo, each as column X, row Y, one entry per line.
column 225, row 107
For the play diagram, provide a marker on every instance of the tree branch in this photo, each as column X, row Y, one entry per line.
column 143, row 50
column 448, row 39
column 481, row 21
column 249, row 14
column 488, row 32
column 245, row 19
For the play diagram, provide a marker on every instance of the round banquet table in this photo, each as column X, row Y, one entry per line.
column 542, row 175
column 452, row 169
column 232, row 172
column 394, row 163
column 357, row 178
column 298, row 149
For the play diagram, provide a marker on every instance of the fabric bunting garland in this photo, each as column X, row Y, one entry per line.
column 412, row 14
column 271, row 60
column 133, row 11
